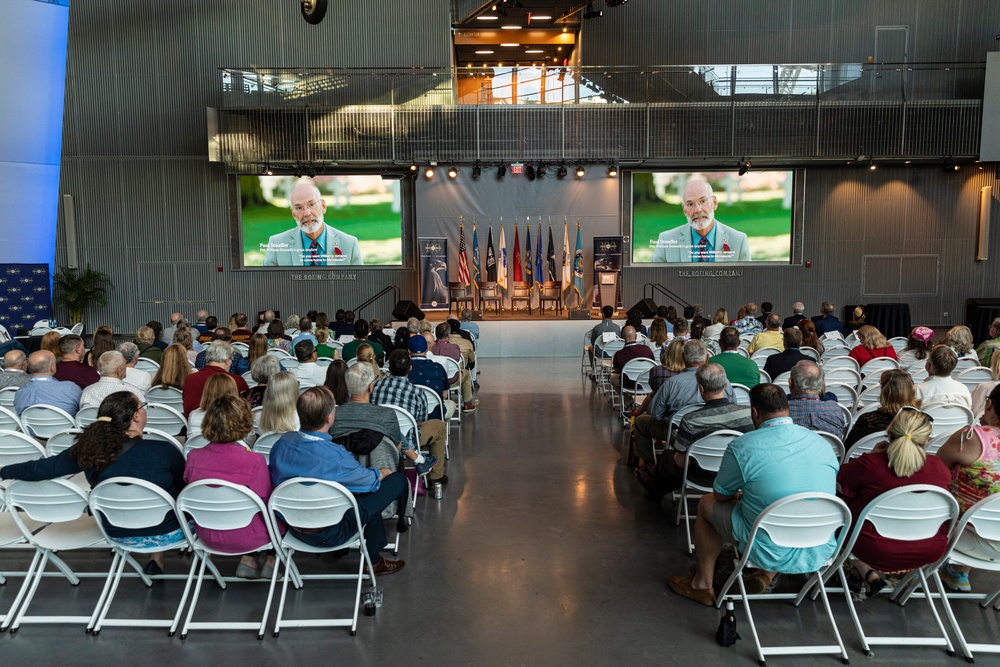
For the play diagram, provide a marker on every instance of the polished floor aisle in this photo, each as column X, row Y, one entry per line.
column 543, row 551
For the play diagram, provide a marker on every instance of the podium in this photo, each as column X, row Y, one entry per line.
column 607, row 288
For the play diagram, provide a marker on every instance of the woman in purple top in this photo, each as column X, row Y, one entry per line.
column 227, row 420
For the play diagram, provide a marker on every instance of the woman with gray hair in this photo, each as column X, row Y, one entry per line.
column 262, row 370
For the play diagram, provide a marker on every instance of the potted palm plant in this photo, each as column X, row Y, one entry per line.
column 78, row 289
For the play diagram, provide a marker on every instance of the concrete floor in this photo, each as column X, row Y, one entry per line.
column 543, row 551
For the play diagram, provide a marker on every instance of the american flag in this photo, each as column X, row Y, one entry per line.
column 463, row 262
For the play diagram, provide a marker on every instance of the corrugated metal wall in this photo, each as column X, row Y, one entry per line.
column 787, row 31
column 899, row 234
column 151, row 211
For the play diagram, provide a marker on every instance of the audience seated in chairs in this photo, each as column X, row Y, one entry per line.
column 312, row 452
column 985, row 349
column 335, row 380
column 366, row 355
column 918, row 346
column 807, row 404
column 15, row 370
column 604, row 326
column 658, row 335
column 261, row 372
column 361, row 333
column 809, row 337
column 239, row 364
column 44, row 388
column 103, row 341
column 378, row 336
column 50, row 342
column 305, row 333
column 276, row 337
column 113, row 446
column 308, row 372
column 872, row 345
column 959, row 339
column 396, row 389
column 464, row 343
column 256, row 348
column 443, row 347
column 899, row 461
column 217, row 386
column 227, row 421
column 144, row 338
column 792, row 320
column 185, row 339
column 241, row 332
column 174, row 370
column 136, row 377
column 425, row 372
column 111, row 367
column 973, row 456
column 748, row 322
column 739, row 369
column 468, row 324
column 782, row 362
column 207, row 329
column 218, row 359
column 719, row 413
column 897, row 392
column 826, row 322
column 807, row 464
column 157, row 334
column 70, row 368
column 671, row 363
column 632, row 350
column 939, row 389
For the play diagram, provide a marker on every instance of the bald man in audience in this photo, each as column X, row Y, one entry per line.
column 70, row 368
column 168, row 334
column 792, row 320
column 15, row 372
column 631, row 350
column 136, row 377
column 44, row 388
column 806, row 405
column 112, row 367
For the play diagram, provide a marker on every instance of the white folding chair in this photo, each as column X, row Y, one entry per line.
column 408, row 427
column 865, row 445
column 279, row 353
column 707, row 453
column 242, row 348
column 970, row 377
column 148, row 365
column 156, row 434
column 131, row 503
column 840, row 362
column 248, row 378
column 62, row 506
column 584, row 360
column 842, row 375
column 4, row 334
column 609, row 350
column 937, row 442
column 742, row 351
column 948, row 419
column 909, row 513
column 434, row 400
column 870, row 395
column 983, row 521
column 10, row 535
column 675, row 420
column 632, row 371
column 315, row 503
column 86, row 416
column 898, row 344
column 741, row 393
column 265, row 442
column 323, row 362
column 833, row 352
column 846, row 395
column 918, row 374
column 810, row 352
column 966, row 363
column 761, row 355
column 7, row 397
column 62, row 441
column 835, row 442
column 77, row 329
column 873, row 378
column 782, row 378
column 220, row 505
column 17, row 447
column 194, row 442
column 799, row 521
column 169, row 396
column 42, row 421
column 879, row 364
column 764, row 377
column 451, row 368
column 290, row 364
column 165, row 418
column 871, row 407
column 257, row 412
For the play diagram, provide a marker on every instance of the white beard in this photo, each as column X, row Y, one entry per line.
column 311, row 226
column 701, row 224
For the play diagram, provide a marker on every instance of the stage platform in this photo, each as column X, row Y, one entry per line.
column 517, row 335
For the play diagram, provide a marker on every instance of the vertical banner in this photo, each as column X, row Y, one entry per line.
column 607, row 258
column 24, row 296
column 433, row 273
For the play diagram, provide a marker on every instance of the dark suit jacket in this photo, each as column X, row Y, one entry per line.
column 827, row 323
column 791, row 321
column 782, row 362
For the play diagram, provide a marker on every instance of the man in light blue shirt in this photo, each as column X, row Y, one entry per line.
column 777, row 460
column 468, row 324
column 311, row 452
column 305, row 333
column 44, row 388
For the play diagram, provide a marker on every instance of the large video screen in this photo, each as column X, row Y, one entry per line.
column 712, row 216
column 324, row 221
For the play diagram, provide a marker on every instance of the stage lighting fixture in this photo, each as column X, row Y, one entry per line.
column 592, row 13
column 615, row 3
column 871, row 165
column 529, row 171
column 267, row 170
column 613, row 171
column 540, row 172
column 452, row 173
column 562, row 171
column 413, row 168
column 476, row 171
column 429, row 173
column 580, row 171
column 744, row 167
column 298, row 171
column 501, row 170
column 311, row 172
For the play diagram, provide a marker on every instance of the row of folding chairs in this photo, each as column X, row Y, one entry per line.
column 58, row 516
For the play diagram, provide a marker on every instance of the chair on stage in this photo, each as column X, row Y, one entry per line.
column 521, row 293
column 551, row 293
column 460, row 296
column 489, row 292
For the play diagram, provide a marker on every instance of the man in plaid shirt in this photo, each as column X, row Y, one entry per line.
column 396, row 389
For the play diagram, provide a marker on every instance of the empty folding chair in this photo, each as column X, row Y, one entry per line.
column 220, row 505
column 707, row 452
column 313, row 504
column 799, row 521
column 170, row 396
column 41, row 421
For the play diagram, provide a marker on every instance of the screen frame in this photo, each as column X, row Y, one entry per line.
column 407, row 225
column 797, row 213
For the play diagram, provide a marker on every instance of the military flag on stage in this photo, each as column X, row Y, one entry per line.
column 517, row 256
column 578, row 265
column 502, row 264
column 550, row 257
column 491, row 257
column 529, row 266
column 539, row 274
column 463, row 261
column 477, row 272
column 567, row 273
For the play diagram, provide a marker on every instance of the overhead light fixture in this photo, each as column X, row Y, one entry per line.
column 298, row 171
column 487, row 17
column 529, row 171
column 509, row 44
column 312, row 172
column 534, row 51
column 613, row 171
column 592, row 13
column 562, row 171
column 413, row 168
column 452, row 173
column 501, row 170
column 484, row 53
column 510, row 27
column 949, row 165
column 267, row 170
column 744, row 167
column 429, row 173
column 540, row 17
column 580, row 171
column 476, row 171
column 871, row 165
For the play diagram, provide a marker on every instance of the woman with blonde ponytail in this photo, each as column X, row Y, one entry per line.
column 899, row 461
